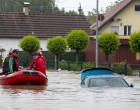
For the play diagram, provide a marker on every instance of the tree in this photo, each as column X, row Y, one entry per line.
column 57, row 45
column 77, row 40
column 134, row 42
column 110, row 7
column 36, row 6
column 71, row 12
column 91, row 18
column 16, row 5
column 109, row 43
column 30, row 44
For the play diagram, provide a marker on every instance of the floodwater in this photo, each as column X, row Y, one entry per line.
column 65, row 93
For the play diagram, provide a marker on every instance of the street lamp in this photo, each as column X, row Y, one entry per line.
column 96, row 35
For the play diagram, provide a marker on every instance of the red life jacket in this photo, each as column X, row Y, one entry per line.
column 43, row 58
column 40, row 65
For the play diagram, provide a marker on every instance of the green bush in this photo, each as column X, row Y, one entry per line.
column 63, row 65
column 103, row 66
column 75, row 67
column 77, row 40
column 57, row 45
column 30, row 44
column 109, row 43
column 121, row 68
column 86, row 65
column 134, row 42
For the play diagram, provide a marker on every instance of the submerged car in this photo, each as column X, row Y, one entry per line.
column 102, row 77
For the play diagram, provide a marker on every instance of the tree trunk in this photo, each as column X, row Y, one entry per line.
column 77, row 57
column 55, row 62
column 106, row 58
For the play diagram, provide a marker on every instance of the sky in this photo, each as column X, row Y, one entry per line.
column 87, row 5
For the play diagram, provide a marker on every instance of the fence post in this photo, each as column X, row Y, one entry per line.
column 125, row 68
column 81, row 65
column 57, row 65
column 68, row 65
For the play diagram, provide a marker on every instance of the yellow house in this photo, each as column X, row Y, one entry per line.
column 124, row 20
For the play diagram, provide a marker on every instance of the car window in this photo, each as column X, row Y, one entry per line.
column 111, row 82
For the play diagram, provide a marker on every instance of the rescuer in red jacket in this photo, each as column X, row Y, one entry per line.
column 40, row 54
column 37, row 63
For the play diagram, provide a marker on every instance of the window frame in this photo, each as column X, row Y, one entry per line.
column 127, row 30
column 117, row 27
column 137, row 8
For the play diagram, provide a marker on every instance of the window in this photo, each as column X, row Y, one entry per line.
column 115, row 29
column 137, row 7
column 108, row 81
column 127, row 30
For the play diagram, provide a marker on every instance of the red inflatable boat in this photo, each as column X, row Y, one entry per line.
column 24, row 77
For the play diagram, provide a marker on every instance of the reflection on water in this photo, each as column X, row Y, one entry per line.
column 64, row 93
column 20, row 88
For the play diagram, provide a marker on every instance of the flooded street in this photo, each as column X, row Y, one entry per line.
column 65, row 93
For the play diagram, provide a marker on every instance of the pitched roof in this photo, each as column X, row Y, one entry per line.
column 108, row 16
column 17, row 25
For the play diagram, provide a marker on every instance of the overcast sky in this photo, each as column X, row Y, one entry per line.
column 87, row 5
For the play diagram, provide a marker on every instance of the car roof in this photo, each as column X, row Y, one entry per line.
column 95, row 71
column 104, row 76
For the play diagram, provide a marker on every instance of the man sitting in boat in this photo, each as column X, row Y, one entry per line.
column 11, row 63
column 37, row 63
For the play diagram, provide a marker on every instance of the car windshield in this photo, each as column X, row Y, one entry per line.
column 110, row 81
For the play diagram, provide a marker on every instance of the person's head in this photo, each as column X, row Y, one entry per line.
column 15, row 52
column 35, row 55
column 10, row 52
column 39, row 53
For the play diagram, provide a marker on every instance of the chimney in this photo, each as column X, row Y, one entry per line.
column 26, row 9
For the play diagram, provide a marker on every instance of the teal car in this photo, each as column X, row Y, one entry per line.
column 102, row 77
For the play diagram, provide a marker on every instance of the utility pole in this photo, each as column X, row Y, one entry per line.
column 97, row 34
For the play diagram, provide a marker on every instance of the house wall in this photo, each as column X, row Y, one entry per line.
column 13, row 43
column 91, row 53
column 128, row 16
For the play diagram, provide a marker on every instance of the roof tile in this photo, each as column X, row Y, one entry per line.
column 108, row 16
column 17, row 25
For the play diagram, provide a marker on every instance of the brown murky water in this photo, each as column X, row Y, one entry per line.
column 64, row 93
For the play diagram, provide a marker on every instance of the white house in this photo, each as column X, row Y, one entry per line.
column 14, row 26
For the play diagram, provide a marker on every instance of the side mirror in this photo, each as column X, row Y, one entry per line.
column 131, row 85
